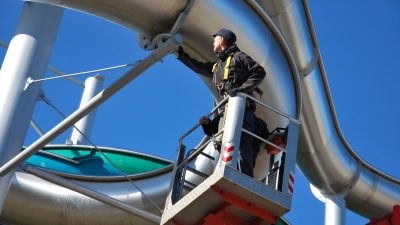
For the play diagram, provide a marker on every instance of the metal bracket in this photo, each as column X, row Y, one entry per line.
column 29, row 81
column 150, row 43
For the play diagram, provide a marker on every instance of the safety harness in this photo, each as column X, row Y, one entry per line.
column 226, row 69
column 216, row 140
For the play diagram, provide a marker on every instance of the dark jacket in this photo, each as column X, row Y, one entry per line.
column 211, row 128
column 260, row 129
column 244, row 73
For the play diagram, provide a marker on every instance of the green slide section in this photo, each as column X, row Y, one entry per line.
column 130, row 163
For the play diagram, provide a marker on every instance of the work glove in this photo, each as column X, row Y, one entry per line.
column 180, row 50
column 204, row 120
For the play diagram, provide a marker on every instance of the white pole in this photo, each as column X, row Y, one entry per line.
column 36, row 127
column 169, row 46
column 93, row 85
column 232, row 131
column 27, row 56
column 335, row 210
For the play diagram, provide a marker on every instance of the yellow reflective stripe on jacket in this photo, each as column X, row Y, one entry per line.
column 228, row 62
column 226, row 69
column 214, row 67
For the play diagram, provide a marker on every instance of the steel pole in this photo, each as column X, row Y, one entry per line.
column 27, row 56
column 170, row 45
column 335, row 210
column 93, row 194
column 36, row 127
column 232, row 130
column 93, row 85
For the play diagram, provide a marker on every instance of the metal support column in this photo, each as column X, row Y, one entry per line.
column 27, row 56
column 169, row 46
column 232, row 130
column 335, row 210
column 93, row 85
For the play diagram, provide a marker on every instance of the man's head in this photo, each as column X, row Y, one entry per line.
column 223, row 38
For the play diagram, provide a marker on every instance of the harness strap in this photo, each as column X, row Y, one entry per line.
column 226, row 69
column 214, row 67
column 228, row 62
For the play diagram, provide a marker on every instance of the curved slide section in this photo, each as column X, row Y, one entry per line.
column 324, row 155
column 64, row 206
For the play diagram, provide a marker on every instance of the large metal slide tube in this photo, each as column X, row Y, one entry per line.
column 324, row 155
column 64, row 206
column 94, row 195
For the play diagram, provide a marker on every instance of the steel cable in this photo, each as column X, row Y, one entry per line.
column 48, row 102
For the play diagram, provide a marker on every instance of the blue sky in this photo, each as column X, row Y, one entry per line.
column 360, row 50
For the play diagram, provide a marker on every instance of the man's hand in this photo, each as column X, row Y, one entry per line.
column 204, row 120
column 180, row 50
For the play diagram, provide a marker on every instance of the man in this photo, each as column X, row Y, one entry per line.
column 233, row 72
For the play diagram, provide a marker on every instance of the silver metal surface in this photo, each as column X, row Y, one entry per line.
column 30, row 195
column 36, row 127
column 152, row 17
column 150, row 20
column 222, row 102
column 288, row 16
column 290, row 157
column 324, row 156
column 169, row 46
column 93, row 194
column 286, row 50
column 335, row 210
column 290, row 118
column 233, row 128
column 83, row 128
column 27, row 55
column 66, row 207
column 205, row 18
column 204, row 200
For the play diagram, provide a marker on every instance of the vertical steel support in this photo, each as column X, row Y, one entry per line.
column 27, row 56
column 169, row 46
column 335, row 210
column 232, row 130
column 93, row 85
